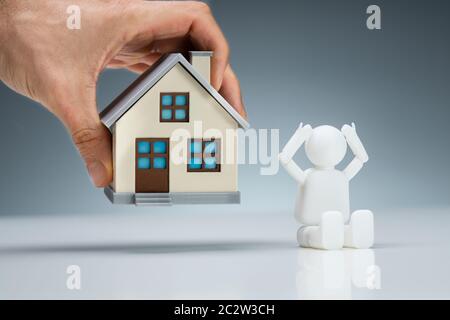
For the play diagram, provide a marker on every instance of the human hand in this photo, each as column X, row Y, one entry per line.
column 58, row 67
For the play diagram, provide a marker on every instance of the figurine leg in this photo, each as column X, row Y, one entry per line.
column 328, row 235
column 359, row 233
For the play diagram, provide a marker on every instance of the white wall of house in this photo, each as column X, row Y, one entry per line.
column 142, row 121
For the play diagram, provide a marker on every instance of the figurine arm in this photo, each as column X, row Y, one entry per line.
column 294, row 170
column 358, row 150
column 295, row 143
column 353, row 168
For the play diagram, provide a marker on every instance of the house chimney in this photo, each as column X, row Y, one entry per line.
column 201, row 60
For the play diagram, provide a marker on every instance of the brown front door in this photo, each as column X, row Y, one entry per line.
column 152, row 165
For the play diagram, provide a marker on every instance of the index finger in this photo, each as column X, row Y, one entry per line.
column 159, row 20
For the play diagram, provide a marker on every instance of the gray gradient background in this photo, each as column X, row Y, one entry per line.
column 310, row 61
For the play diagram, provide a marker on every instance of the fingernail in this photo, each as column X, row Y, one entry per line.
column 97, row 172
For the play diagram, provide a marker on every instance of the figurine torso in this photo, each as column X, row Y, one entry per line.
column 323, row 190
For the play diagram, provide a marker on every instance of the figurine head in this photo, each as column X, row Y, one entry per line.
column 326, row 146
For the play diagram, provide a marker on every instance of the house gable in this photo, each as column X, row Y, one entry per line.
column 147, row 80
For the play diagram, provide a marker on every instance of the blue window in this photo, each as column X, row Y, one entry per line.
column 195, row 163
column 166, row 100
column 143, row 147
column 210, row 147
column 180, row 114
column 144, row 163
column 203, row 155
column 210, row 163
column 180, row 100
column 166, row 114
column 174, row 107
column 159, row 163
column 196, row 147
column 159, row 147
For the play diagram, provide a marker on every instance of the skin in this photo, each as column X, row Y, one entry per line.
column 44, row 60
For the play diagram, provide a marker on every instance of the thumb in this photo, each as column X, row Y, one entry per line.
column 94, row 144
column 90, row 136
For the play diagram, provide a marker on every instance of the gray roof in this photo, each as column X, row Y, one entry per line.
column 148, row 79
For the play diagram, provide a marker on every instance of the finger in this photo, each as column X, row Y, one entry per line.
column 134, row 53
column 138, row 68
column 155, row 21
column 231, row 91
column 94, row 145
column 90, row 136
column 140, row 60
column 178, row 45
column 122, row 62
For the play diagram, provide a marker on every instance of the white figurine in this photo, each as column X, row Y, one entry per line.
column 323, row 200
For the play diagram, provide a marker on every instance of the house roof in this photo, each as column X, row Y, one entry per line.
column 112, row 113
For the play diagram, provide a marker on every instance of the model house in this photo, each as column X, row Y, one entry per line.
column 170, row 132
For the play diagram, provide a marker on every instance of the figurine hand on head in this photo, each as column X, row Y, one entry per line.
column 348, row 130
column 355, row 142
column 300, row 136
column 304, row 131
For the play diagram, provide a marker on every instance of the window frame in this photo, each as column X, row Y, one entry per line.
column 201, row 155
column 174, row 107
column 152, row 154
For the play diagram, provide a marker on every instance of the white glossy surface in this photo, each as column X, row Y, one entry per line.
column 235, row 255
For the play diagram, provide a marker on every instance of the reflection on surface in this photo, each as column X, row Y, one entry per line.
column 193, row 269
column 332, row 274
